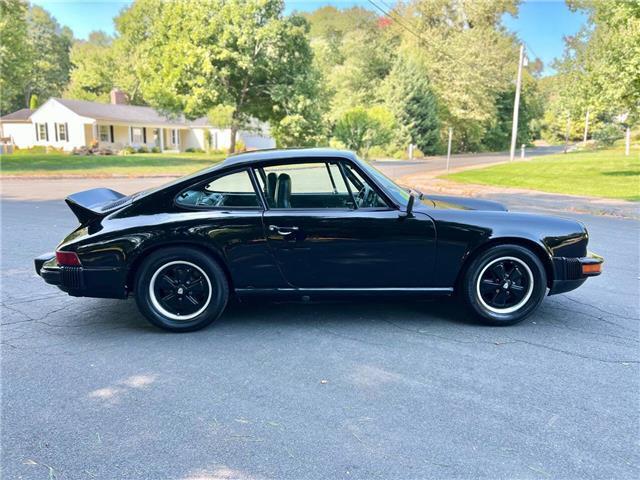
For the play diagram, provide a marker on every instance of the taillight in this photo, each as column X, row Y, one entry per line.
column 67, row 259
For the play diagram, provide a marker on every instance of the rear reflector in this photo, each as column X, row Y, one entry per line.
column 68, row 259
column 591, row 268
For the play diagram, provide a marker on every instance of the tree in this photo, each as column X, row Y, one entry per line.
column 353, row 53
column 612, row 62
column 409, row 96
column 305, row 106
column 92, row 76
column 34, row 102
column 360, row 129
column 14, row 54
column 49, row 46
column 244, row 54
column 462, row 47
column 597, row 73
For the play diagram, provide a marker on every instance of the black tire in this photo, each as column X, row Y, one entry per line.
column 509, row 298
column 181, row 289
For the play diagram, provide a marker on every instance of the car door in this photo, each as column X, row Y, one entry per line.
column 322, row 237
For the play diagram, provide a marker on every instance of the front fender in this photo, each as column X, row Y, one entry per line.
column 462, row 233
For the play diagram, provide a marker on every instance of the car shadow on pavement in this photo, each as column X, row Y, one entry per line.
column 266, row 314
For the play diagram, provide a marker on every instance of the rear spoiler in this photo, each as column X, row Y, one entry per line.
column 93, row 203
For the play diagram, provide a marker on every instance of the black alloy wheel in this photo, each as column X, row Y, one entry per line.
column 181, row 289
column 504, row 284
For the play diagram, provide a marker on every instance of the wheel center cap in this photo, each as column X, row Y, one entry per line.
column 180, row 291
column 506, row 285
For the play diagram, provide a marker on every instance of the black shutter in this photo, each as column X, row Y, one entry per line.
column 55, row 129
column 66, row 131
column 46, row 131
column 37, row 138
column 144, row 135
column 111, row 132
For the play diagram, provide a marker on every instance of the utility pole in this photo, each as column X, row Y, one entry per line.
column 449, row 148
column 586, row 128
column 516, row 106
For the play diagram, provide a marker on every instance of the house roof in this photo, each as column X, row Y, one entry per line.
column 124, row 113
column 18, row 116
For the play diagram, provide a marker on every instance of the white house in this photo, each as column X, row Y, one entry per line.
column 67, row 124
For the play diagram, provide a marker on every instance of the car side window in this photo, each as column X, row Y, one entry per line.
column 305, row 185
column 365, row 195
column 234, row 190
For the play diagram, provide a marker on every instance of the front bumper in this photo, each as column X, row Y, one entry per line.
column 570, row 273
column 81, row 281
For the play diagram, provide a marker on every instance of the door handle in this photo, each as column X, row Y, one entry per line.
column 283, row 230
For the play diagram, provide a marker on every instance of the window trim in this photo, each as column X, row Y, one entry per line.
column 390, row 204
column 133, row 136
column 61, row 127
column 44, row 137
column 100, row 127
column 199, row 208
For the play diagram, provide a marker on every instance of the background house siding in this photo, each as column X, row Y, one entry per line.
column 22, row 134
column 53, row 113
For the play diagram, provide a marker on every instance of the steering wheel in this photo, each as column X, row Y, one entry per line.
column 209, row 200
column 365, row 196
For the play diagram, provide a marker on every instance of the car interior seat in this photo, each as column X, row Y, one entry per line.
column 272, row 180
column 283, row 191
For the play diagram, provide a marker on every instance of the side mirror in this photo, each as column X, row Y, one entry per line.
column 408, row 212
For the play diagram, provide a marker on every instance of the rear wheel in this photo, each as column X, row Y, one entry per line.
column 181, row 289
column 504, row 284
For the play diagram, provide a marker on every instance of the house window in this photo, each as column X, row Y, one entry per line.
column 136, row 135
column 104, row 133
column 174, row 137
column 62, row 132
column 42, row 131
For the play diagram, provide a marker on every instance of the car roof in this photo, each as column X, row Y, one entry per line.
column 294, row 154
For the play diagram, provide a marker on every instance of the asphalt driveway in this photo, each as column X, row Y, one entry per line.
column 365, row 389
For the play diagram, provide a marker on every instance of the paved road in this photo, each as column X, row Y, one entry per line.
column 367, row 389
column 396, row 168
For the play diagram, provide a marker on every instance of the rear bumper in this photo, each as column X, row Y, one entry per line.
column 570, row 273
column 81, row 281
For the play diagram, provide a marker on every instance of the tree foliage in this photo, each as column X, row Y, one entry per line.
column 361, row 129
column 49, row 46
column 408, row 94
column 597, row 73
column 93, row 67
column 244, row 54
column 34, row 54
column 14, row 53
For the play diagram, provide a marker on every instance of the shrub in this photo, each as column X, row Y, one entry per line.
column 607, row 134
column 361, row 129
column 127, row 151
column 155, row 150
column 143, row 149
column 36, row 149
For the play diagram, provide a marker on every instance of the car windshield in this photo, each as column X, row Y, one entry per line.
column 395, row 191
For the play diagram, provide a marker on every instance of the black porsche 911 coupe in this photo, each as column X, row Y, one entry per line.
column 309, row 223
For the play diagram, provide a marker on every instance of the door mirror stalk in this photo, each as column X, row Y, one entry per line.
column 408, row 213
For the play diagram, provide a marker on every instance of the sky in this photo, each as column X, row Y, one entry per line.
column 541, row 24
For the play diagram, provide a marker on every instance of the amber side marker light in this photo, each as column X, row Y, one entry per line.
column 591, row 268
column 68, row 259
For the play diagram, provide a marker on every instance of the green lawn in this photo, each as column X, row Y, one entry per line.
column 595, row 173
column 36, row 164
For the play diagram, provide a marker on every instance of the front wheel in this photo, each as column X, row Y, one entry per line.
column 181, row 289
column 504, row 284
